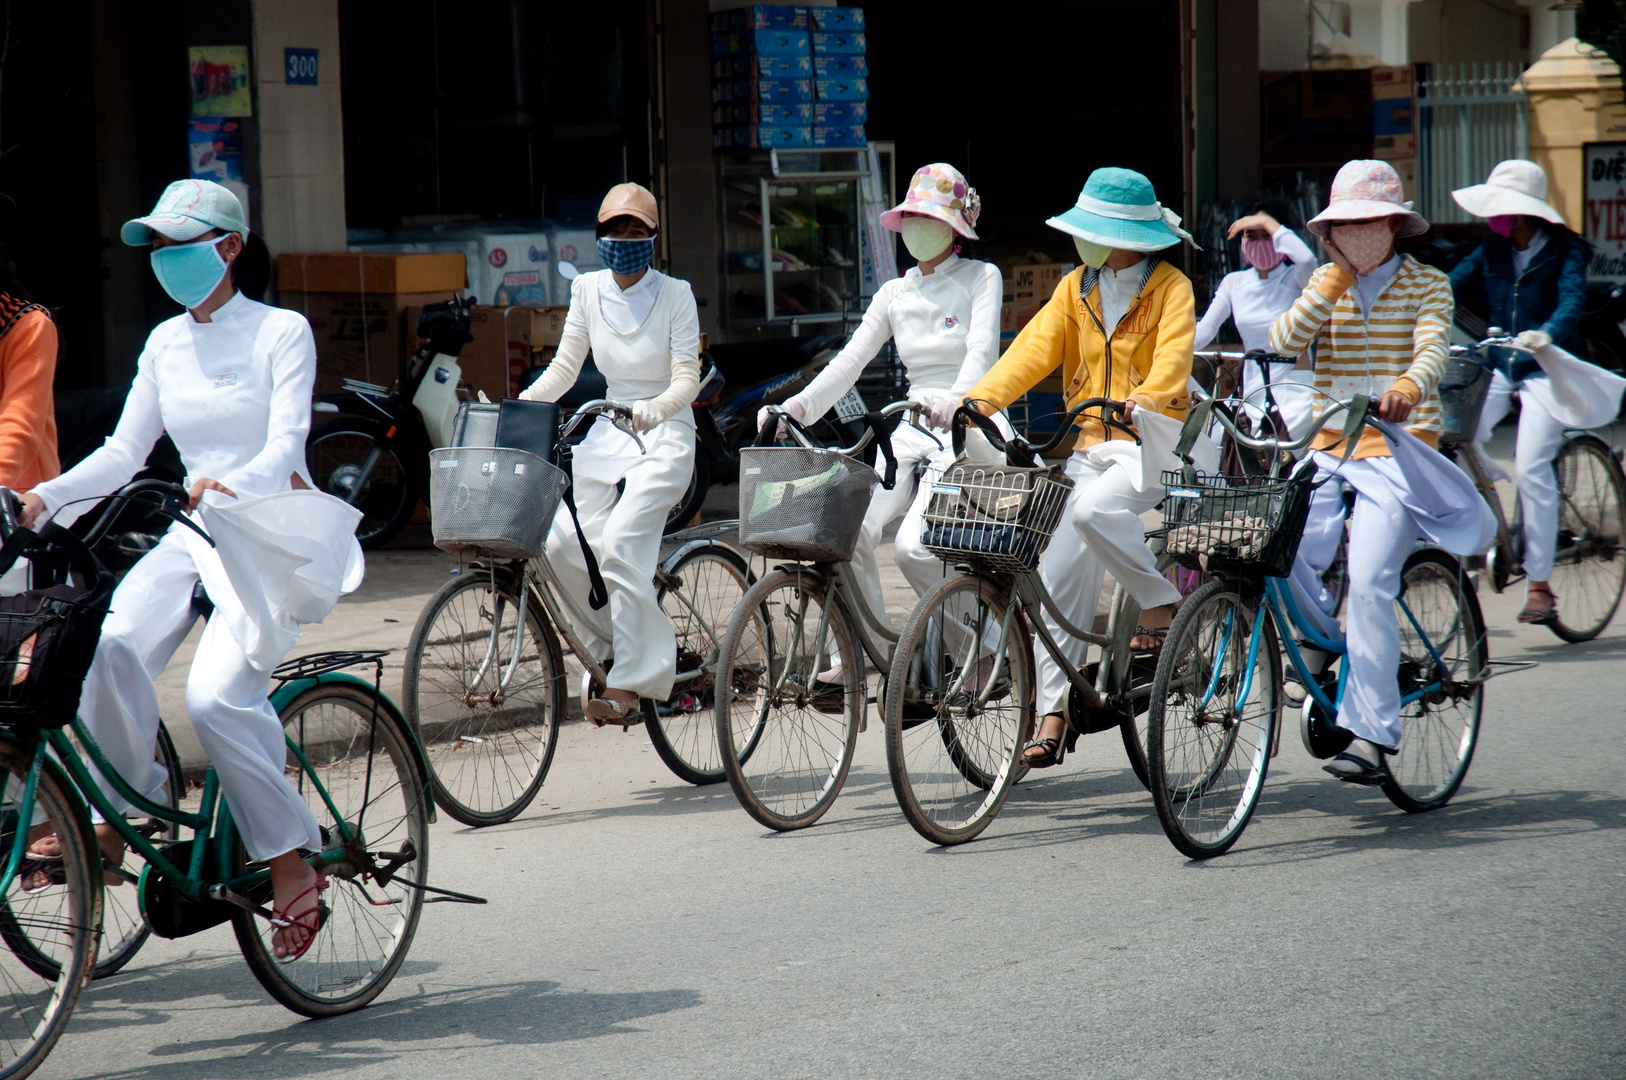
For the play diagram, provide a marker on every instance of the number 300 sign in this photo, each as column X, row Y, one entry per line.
column 299, row 66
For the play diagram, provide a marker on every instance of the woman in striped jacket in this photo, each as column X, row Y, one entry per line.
column 1379, row 323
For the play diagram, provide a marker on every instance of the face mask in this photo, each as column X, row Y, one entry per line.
column 926, row 238
column 1261, row 254
column 189, row 272
column 626, row 257
column 1366, row 246
column 1501, row 224
column 1091, row 253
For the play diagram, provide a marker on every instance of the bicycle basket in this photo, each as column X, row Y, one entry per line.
column 492, row 501
column 48, row 636
column 1462, row 391
column 1235, row 525
column 999, row 516
column 802, row 504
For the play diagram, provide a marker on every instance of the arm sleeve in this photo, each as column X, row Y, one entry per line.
column 1571, row 296
column 27, row 368
column 112, row 464
column 843, row 370
column 1295, row 328
column 561, row 372
column 1292, row 246
column 1219, row 309
column 680, row 394
column 982, row 336
column 1430, row 337
column 1036, row 352
column 293, row 373
column 1468, row 276
column 1171, row 361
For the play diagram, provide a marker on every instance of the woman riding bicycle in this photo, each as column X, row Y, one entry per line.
column 1379, row 322
column 229, row 380
column 1529, row 274
column 644, row 331
column 1119, row 327
column 943, row 316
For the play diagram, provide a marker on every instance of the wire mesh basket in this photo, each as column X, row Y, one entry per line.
column 1462, row 391
column 1235, row 525
column 1000, row 517
column 48, row 639
column 802, row 504
column 492, row 500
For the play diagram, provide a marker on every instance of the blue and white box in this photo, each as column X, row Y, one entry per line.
column 838, row 42
column 838, row 18
column 839, row 66
column 841, row 89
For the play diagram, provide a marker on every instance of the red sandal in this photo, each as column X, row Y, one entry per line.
column 319, row 914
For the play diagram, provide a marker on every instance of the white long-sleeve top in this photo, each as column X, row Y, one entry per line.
column 1254, row 302
column 233, row 393
column 946, row 325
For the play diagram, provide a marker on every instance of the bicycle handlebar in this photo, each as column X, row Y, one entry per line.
column 590, row 410
column 770, row 429
column 1293, row 445
column 1019, row 451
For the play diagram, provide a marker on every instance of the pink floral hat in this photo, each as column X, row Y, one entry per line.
column 1367, row 189
column 938, row 191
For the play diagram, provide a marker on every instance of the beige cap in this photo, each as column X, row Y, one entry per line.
column 630, row 199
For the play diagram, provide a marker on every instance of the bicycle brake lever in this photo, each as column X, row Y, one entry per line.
column 624, row 423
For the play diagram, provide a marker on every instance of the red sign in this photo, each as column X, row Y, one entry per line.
column 498, row 257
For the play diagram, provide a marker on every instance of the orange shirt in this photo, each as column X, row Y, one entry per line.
column 27, row 407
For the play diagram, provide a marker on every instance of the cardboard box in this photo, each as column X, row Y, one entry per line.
column 763, row 137
column 845, row 42
column 508, row 341
column 775, row 91
column 753, row 66
column 844, row 135
column 839, row 67
column 841, row 89
column 774, row 114
column 765, row 17
column 363, row 272
column 783, row 42
column 839, row 113
column 838, row 18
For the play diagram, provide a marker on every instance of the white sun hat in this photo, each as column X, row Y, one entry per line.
column 1513, row 187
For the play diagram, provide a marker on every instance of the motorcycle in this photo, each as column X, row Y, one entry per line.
column 375, row 454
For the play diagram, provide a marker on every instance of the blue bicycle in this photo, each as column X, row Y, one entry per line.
column 1215, row 717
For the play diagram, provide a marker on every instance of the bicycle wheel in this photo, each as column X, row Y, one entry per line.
column 485, row 700
column 1441, row 728
column 785, row 756
column 1589, row 567
column 959, row 707
column 362, row 755
column 56, row 923
column 699, row 595
column 338, row 451
column 1212, row 719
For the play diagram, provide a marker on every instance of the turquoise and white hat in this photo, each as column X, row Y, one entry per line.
column 186, row 210
column 1119, row 209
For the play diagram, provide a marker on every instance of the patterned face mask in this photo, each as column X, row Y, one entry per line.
column 926, row 238
column 1262, row 254
column 626, row 257
column 1365, row 246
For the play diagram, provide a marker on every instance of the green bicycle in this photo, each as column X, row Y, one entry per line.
column 350, row 754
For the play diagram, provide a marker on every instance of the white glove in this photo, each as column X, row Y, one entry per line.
column 1534, row 339
column 792, row 408
column 655, row 411
column 646, row 415
column 943, row 412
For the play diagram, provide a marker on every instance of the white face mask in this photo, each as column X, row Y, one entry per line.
column 1091, row 253
column 926, row 238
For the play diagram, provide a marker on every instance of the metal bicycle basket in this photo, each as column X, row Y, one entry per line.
column 1248, row 525
column 1462, row 389
column 803, row 504
column 1000, row 517
column 492, row 500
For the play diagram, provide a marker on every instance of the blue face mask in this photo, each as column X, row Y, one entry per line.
column 189, row 272
column 626, row 257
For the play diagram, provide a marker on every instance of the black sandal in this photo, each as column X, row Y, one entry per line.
column 1365, row 773
column 1160, row 634
column 1056, row 748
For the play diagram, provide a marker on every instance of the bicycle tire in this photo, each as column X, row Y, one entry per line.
column 487, row 758
column 769, row 661
column 1133, row 728
column 694, row 496
column 1589, row 568
column 1204, row 800
column 38, row 1004
column 335, row 452
column 1438, row 743
column 953, row 765
column 365, row 755
column 711, row 581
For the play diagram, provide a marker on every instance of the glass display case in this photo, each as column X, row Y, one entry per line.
column 791, row 222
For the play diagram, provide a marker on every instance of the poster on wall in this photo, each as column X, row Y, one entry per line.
column 219, row 75
column 1605, row 219
column 216, row 144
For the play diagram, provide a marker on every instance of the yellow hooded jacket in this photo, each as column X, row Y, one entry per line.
column 1151, row 351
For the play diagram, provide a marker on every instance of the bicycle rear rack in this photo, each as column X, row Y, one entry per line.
column 314, row 664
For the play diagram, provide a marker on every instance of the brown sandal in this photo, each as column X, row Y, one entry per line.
column 1535, row 616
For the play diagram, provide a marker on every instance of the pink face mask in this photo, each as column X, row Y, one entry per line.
column 1501, row 224
column 1366, row 246
column 1261, row 254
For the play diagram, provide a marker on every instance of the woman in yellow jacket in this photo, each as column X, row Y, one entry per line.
column 1120, row 327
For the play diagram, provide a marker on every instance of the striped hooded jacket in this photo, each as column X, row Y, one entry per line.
column 1403, row 347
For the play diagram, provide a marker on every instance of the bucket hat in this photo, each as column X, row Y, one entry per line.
column 938, row 191
column 1118, row 208
column 1515, row 186
column 1366, row 189
column 631, row 200
column 186, row 210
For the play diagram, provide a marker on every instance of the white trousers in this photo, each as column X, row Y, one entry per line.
column 906, row 500
column 1382, row 533
column 625, row 533
column 1106, row 536
column 225, row 695
column 1536, row 448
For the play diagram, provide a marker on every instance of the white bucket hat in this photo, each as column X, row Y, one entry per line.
column 1515, row 186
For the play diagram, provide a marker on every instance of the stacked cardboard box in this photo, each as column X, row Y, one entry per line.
column 788, row 76
column 840, row 76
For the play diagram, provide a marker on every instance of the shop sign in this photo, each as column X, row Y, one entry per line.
column 299, row 67
column 219, row 75
column 1605, row 219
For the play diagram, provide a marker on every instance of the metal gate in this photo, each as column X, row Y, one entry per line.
column 1469, row 117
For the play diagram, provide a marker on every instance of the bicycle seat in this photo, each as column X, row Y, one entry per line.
column 201, row 602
